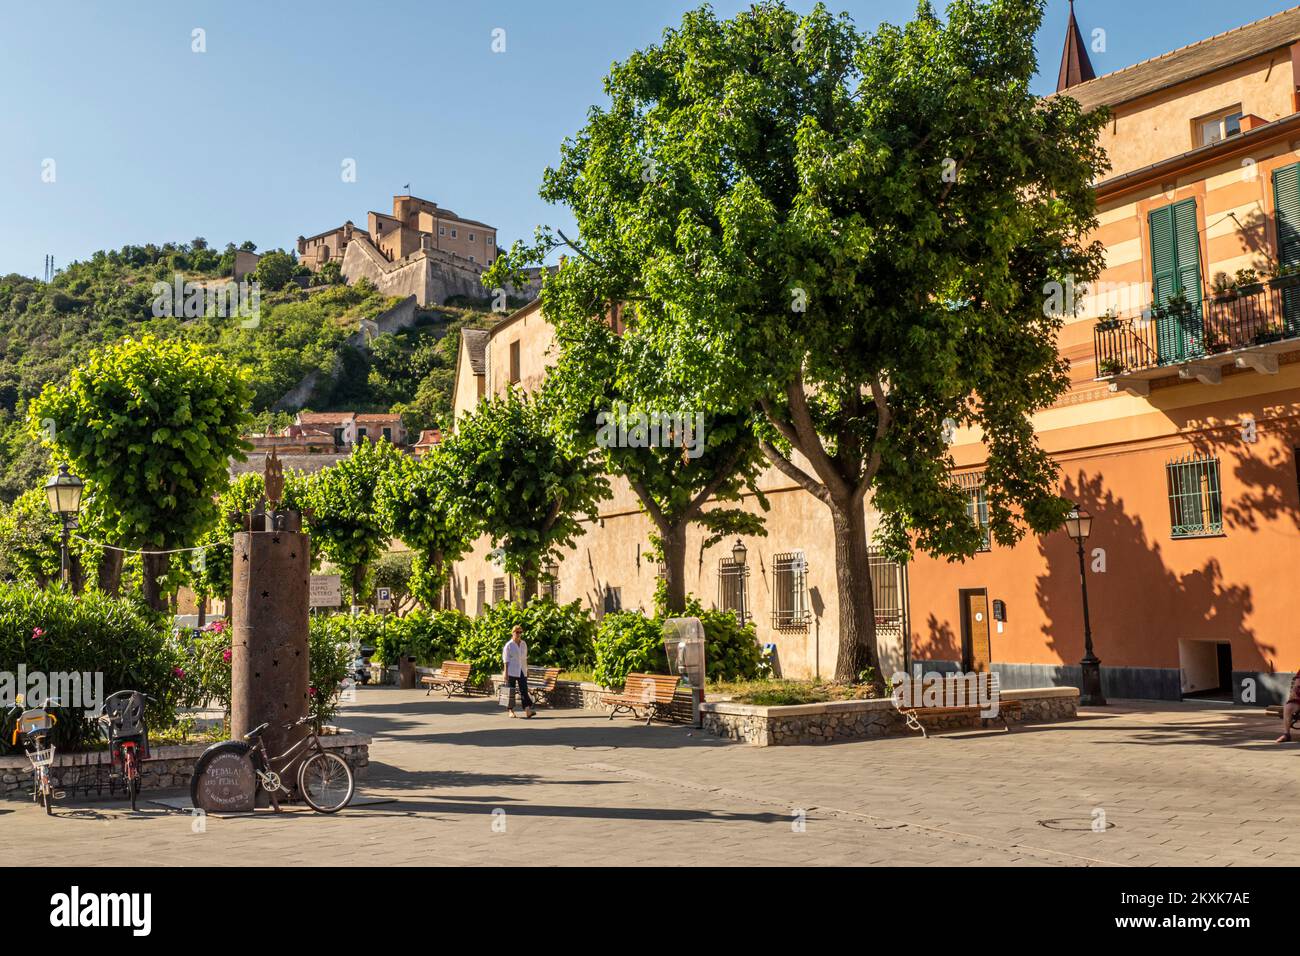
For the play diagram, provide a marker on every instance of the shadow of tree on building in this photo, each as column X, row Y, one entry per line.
column 1198, row 604
column 1265, row 486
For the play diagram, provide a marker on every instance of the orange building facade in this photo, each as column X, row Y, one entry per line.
column 1179, row 432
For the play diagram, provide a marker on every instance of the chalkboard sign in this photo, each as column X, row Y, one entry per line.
column 225, row 781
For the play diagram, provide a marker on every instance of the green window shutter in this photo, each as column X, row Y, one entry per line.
column 1286, row 199
column 1164, row 271
column 1188, row 243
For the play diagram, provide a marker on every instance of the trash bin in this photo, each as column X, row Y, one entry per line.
column 406, row 672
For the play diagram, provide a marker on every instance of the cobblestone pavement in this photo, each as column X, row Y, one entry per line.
column 1174, row 784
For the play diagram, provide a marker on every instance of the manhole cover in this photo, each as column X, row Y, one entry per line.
column 1078, row 825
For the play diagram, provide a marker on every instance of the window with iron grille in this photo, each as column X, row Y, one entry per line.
column 977, row 503
column 498, row 590
column 885, row 591
column 732, row 588
column 613, row 599
column 551, row 582
column 480, row 597
column 1195, row 503
column 790, row 591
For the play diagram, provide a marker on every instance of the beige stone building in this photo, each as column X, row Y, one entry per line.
column 786, row 584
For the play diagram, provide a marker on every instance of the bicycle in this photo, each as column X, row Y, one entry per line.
column 34, row 725
column 122, row 714
column 324, row 779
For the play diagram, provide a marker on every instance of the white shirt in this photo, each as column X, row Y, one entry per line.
column 515, row 656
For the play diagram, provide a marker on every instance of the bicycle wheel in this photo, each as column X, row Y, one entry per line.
column 47, row 793
column 325, row 782
column 132, row 770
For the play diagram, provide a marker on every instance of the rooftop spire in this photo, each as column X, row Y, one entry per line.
column 1076, row 68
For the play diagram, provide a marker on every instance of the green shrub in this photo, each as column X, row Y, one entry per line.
column 51, row 631
column 432, row 636
column 558, row 635
column 731, row 650
column 331, row 661
column 203, row 671
column 364, row 630
column 628, row 642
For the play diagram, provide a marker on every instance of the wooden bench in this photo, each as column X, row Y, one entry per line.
column 651, row 693
column 958, row 695
column 452, row 676
column 541, row 683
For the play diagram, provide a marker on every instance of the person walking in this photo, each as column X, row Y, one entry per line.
column 515, row 658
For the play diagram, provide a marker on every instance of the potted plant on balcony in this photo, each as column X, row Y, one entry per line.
column 1108, row 322
column 1283, row 276
column 1248, row 282
column 1271, row 332
column 1216, row 342
column 1110, row 366
column 1225, row 289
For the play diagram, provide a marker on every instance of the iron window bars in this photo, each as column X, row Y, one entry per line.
column 1195, row 499
column 732, row 580
column 977, row 503
column 790, row 591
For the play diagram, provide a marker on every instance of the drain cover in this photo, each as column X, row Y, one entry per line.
column 1077, row 825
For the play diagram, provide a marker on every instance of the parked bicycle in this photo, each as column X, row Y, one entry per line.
column 122, row 715
column 324, row 779
column 34, row 726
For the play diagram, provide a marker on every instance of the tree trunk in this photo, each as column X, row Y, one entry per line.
column 110, row 571
column 358, row 583
column 528, row 587
column 857, row 649
column 673, row 542
column 155, row 567
column 202, row 609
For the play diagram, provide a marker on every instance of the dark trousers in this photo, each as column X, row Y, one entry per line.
column 522, row 683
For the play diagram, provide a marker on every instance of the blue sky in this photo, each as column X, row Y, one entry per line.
column 154, row 142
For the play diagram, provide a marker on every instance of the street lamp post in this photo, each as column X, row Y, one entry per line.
column 64, row 494
column 738, row 554
column 1078, row 525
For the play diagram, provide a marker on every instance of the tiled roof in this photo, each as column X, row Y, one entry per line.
column 476, row 344
column 308, row 418
column 1189, row 62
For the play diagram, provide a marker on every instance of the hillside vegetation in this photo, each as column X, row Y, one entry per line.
column 50, row 327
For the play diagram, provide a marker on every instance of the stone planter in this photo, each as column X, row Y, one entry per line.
column 168, row 768
column 862, row 719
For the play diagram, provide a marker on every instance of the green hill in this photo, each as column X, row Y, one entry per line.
column 47, row 328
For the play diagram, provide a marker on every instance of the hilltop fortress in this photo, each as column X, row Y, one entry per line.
column 421, row 250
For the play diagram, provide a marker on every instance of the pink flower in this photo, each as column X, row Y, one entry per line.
column 218, row 626
column 178, row 672
column 225, row 655
column 38, row 633
column 311, row 691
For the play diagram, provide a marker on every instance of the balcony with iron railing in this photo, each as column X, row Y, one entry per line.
column 1247, row 327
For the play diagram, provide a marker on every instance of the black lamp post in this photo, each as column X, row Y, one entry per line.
column 64, row 494
column 738, row 554
column 1078, row 525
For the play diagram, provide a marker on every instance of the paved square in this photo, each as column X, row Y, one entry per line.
column 1175, row 784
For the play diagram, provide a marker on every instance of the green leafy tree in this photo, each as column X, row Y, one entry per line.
column 855, row 234
column 701, row 460
column 274, row 270
column 153, row 424
column 345, row 520
column 415, row 502
column 511, row 474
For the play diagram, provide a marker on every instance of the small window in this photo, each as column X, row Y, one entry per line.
column 472, row 259
column 613, row 599
column 442, row 230
column 1195, row 502
column 498, row 590
column 732, row 588
column 471, row 237
column 977, row 504
column 514, row 361
column 886, row 589
column 1218, row 128
column 453, row 233
column 489, row 240
column 388, row 434
column 790, row 591
column 480, row 597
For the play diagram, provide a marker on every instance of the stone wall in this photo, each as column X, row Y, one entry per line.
column 863, row 719
column 168, row 768
column 432, row 276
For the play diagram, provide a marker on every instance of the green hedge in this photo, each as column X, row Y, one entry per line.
column 731, row 650
column 626, row 643
column 51, row 631
column 429, row 636
column 558, row 635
